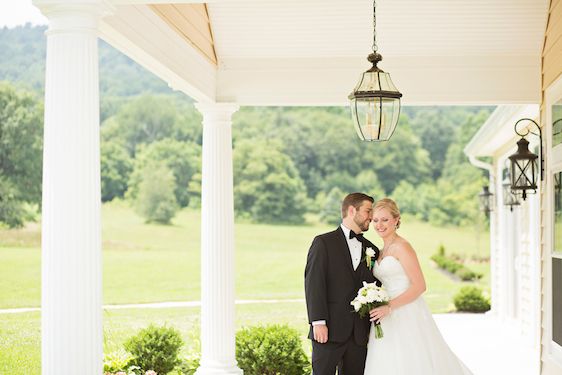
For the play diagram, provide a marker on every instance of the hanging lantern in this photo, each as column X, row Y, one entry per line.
column 375, row 101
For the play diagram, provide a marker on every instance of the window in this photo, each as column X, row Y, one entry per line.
column 557, row 123
column 557, row 300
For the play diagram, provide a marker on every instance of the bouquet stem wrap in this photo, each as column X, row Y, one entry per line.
column 370, row 296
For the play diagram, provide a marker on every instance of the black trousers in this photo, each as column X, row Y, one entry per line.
column 347, row 357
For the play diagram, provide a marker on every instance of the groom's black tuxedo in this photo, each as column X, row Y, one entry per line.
column 331, row 284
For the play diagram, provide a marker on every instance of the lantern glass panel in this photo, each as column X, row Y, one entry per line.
column 524, row 173
column 375, row 106
column 509, row 198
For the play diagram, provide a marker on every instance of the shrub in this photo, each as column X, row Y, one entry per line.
column 453, row 266
column 470, row 299
column 446, row 263
column 468, row 275
column 116, row 361
column 441, row 250
column 271, row 350
column 188, row 365
column 156, row 201
column 155, row 348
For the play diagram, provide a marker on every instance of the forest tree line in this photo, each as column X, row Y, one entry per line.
column 288, row 161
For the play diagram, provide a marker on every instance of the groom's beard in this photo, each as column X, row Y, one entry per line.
column 364, row 226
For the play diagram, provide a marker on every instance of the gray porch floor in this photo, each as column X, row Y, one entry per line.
column 488, row 346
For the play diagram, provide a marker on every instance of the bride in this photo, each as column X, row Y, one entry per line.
column 412, row 343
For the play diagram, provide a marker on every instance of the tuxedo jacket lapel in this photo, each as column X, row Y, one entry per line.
column 346, row 252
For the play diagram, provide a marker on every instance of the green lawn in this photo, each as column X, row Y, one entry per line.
column 150, row 263
column 20, row 333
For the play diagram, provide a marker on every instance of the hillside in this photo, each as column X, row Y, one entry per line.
column 22, row 61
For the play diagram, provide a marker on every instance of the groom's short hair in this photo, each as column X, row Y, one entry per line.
column 355, row 200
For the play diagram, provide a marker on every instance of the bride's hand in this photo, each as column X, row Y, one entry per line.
column 380, row 312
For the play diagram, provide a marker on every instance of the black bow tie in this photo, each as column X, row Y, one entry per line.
column 359, row 236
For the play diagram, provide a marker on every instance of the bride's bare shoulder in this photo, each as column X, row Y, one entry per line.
column 404, row 248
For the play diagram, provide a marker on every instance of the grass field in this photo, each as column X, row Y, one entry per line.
column 151, row 263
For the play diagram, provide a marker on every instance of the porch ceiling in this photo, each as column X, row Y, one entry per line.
column 296, row 52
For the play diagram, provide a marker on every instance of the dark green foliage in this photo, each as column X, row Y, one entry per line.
column 423, row 166
column 21, row 149
column 331, row 207
column 155, row 200
column 401, row 159
column 116, row 166
column 470, row 299
column 182, row 158
column 436, row 129
column 12, row 210
column 271, row 350
column 267, row 186
column 155, row 348
column 150, row 118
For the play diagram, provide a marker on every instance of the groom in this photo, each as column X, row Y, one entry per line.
column 335, row 270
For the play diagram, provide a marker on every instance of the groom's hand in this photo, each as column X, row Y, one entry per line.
column 320, row 332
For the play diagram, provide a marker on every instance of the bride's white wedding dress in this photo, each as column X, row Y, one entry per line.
column 412, row 343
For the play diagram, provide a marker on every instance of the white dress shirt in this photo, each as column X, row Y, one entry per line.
column 354, row 246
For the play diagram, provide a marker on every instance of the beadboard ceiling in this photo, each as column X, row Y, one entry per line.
column 311, row 52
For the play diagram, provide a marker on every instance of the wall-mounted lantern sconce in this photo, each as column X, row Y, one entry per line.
column 509, row 198
column 486, row 200
column 524, row 164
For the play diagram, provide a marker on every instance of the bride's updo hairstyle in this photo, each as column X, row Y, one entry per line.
column 391, row 206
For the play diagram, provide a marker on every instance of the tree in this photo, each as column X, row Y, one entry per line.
column 461, row 181
column 331, row 211
column 367, row 182
column 116, row 166
column 400, row 159
column 151, row 118
column 12, row 210
column 156, row 201
column 267, row 186
column 194, row 190
column 436, row 132
column 182, row 158
column 21, row 149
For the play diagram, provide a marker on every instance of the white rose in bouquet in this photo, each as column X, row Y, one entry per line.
column 369, row 297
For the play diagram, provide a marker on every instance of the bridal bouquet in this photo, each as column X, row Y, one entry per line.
column 369, row 297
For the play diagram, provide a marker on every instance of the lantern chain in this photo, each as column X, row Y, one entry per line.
column 375, row 48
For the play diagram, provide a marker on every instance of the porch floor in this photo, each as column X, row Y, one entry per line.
column 488, row 346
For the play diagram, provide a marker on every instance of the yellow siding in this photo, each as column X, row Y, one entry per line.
column 551, row 70
column 552, row 51
column 191, row 22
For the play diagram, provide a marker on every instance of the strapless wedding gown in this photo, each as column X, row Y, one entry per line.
column 412, row 343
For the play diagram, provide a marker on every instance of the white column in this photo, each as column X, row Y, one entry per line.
column 217, row 243
column 71, row 320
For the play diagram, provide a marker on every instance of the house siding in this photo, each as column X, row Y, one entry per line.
column 551, row 69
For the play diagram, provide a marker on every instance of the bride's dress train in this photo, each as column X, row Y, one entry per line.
column 412, row 343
